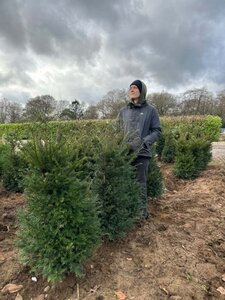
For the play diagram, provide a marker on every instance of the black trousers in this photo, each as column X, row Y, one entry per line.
column 141, row 164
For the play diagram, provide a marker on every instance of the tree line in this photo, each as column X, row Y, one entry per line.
column 191, row 102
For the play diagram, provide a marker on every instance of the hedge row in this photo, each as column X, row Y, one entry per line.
column 203, row 128
column 24, row 130
column 208, row 126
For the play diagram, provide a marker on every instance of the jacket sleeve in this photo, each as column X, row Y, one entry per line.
column 155, row 129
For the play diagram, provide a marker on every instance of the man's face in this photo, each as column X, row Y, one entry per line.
column 134, row 92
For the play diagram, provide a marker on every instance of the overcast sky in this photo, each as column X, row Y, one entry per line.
column 84, row 48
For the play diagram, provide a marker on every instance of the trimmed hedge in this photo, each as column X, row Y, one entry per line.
column 24, row 130
column 208, row 126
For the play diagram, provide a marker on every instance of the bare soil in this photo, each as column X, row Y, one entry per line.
column 219, row 148
column 178, row 253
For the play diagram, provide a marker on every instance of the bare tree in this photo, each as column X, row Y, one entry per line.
column 220, row 100
column 164, row 102
column 10, row 112
column 3, row 110
column 60, row 106
column 14, row 112
column 40, row 108
column 197, row 102
column 108, row 107
column 74, row 112
column 91, row 113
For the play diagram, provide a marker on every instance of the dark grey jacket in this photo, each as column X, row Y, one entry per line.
column 141, row 124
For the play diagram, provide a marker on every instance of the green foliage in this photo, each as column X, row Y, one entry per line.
column 211, row 127
column 14, row 165
column 116, row 185
column 193, row 155
column 202, row 153
column 169, row 150
column 208, row 125
column 185, row 162
column 190, row 139
column 4, row 154
column 155, row 179
column 87, row 153
column 174, row 128
column 68, row 128
column 60, row 228
column 160, row 144
column 13, row 172
column 204, row 126
column 20, row 131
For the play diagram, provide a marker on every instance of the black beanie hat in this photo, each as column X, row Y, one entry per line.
column 138, row 84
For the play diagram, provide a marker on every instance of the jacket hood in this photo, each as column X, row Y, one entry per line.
column 142, row 97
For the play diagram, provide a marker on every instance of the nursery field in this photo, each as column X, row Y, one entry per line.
column 178, row 253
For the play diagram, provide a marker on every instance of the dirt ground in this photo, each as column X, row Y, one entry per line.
column 179, row 253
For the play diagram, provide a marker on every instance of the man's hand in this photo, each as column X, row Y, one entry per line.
column 136, row 145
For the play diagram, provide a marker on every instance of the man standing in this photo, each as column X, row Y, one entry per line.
column 141, row 125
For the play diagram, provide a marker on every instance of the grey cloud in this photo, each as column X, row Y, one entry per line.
column 16, row 95
column 4, row 78
column 11, row 23
column 104, row 13
column 56, row 30
column 173, row 41
column 168, row 42
column 15, row 77
column 49, row 28
column 15, row 71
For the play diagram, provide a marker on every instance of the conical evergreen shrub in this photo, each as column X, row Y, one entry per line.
column 116, row 185
column 185, row 162
column 160, row 144
column 202, row 153
column 14, row 169
column 86, row 154
column 155, row 179
column 60, row 228
column 192, row 156
column 169, row 150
